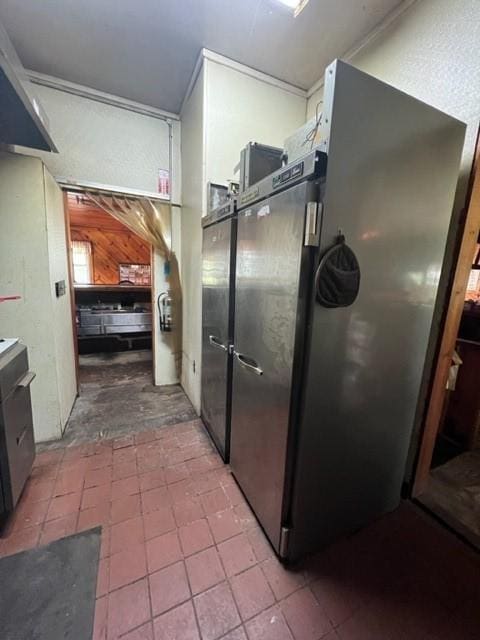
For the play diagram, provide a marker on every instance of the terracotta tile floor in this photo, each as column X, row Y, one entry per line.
column 183, row 558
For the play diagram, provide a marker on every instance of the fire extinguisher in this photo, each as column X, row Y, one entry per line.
column 164, row 302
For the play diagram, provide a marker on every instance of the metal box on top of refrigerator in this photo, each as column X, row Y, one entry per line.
column 257, row 161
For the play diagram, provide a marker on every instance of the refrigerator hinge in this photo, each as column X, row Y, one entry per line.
column 284, row 539
column 312, row 226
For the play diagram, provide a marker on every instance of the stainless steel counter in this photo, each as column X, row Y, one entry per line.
column 108, row 322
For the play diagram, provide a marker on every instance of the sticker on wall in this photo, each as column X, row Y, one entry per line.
column 164, row 182
column 263, row 211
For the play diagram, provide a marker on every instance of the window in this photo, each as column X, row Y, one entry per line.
column 82, row 261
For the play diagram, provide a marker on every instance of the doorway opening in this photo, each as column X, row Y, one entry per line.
column 112, row 282
column 125, row 331
column 447, row 480
column 111, row 276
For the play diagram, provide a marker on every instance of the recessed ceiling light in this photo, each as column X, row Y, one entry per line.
column 295, row 5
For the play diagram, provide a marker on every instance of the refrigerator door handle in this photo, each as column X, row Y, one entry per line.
column 215, row 342
column 248, row 363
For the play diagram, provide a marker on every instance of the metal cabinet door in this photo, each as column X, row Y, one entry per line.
column 215, row 331
column 269, row 254
column 16, row 422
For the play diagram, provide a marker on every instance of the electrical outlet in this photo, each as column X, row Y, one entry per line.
column 60, row 289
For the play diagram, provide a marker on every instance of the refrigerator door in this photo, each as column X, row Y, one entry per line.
column 269, row 257
column 216, row 332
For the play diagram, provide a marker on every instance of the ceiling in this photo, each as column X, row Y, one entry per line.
column 145, row 50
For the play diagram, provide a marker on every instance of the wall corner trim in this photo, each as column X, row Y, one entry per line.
column 193, row 79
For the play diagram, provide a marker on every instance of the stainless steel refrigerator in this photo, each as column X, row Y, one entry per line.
column 339, row 261
column 218, row 291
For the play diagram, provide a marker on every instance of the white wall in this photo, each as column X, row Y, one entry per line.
column 32, row 226
column 61, row 318
column 193, row 185
column 431, row 52
column 107, row 144
column 242, row 109
column 229, row 106
column 167, row 345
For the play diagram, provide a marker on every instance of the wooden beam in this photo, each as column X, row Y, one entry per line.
column 450, row 332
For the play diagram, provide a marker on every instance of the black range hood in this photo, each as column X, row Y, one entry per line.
column 22, row 120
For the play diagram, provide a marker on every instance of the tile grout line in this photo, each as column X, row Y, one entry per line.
column 197, row 622
column 150, row 604
column 227, row 579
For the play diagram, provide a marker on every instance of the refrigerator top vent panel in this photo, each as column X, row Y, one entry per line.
column 311, row 166
column 225, row 210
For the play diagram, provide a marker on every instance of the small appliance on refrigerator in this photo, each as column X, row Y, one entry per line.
column 337, row 297
column 257, row 161
column 218, row 291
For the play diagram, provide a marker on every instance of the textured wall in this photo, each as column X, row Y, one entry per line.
column 32, row 258
column 214, row 130
column 256, row 112
column 193, row 185
column 101, row 143
column 61, row 318
column 431, row 52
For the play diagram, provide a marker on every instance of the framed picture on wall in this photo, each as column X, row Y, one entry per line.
column 139, row 274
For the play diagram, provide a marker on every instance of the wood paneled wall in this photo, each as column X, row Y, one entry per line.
column 112, row 243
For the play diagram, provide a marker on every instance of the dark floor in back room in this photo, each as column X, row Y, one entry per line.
column 183, row 557
column 117, row 397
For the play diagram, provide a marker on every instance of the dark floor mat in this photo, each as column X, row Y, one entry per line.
column 48, row 593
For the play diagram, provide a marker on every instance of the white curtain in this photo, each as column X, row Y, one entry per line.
column 149, row 219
